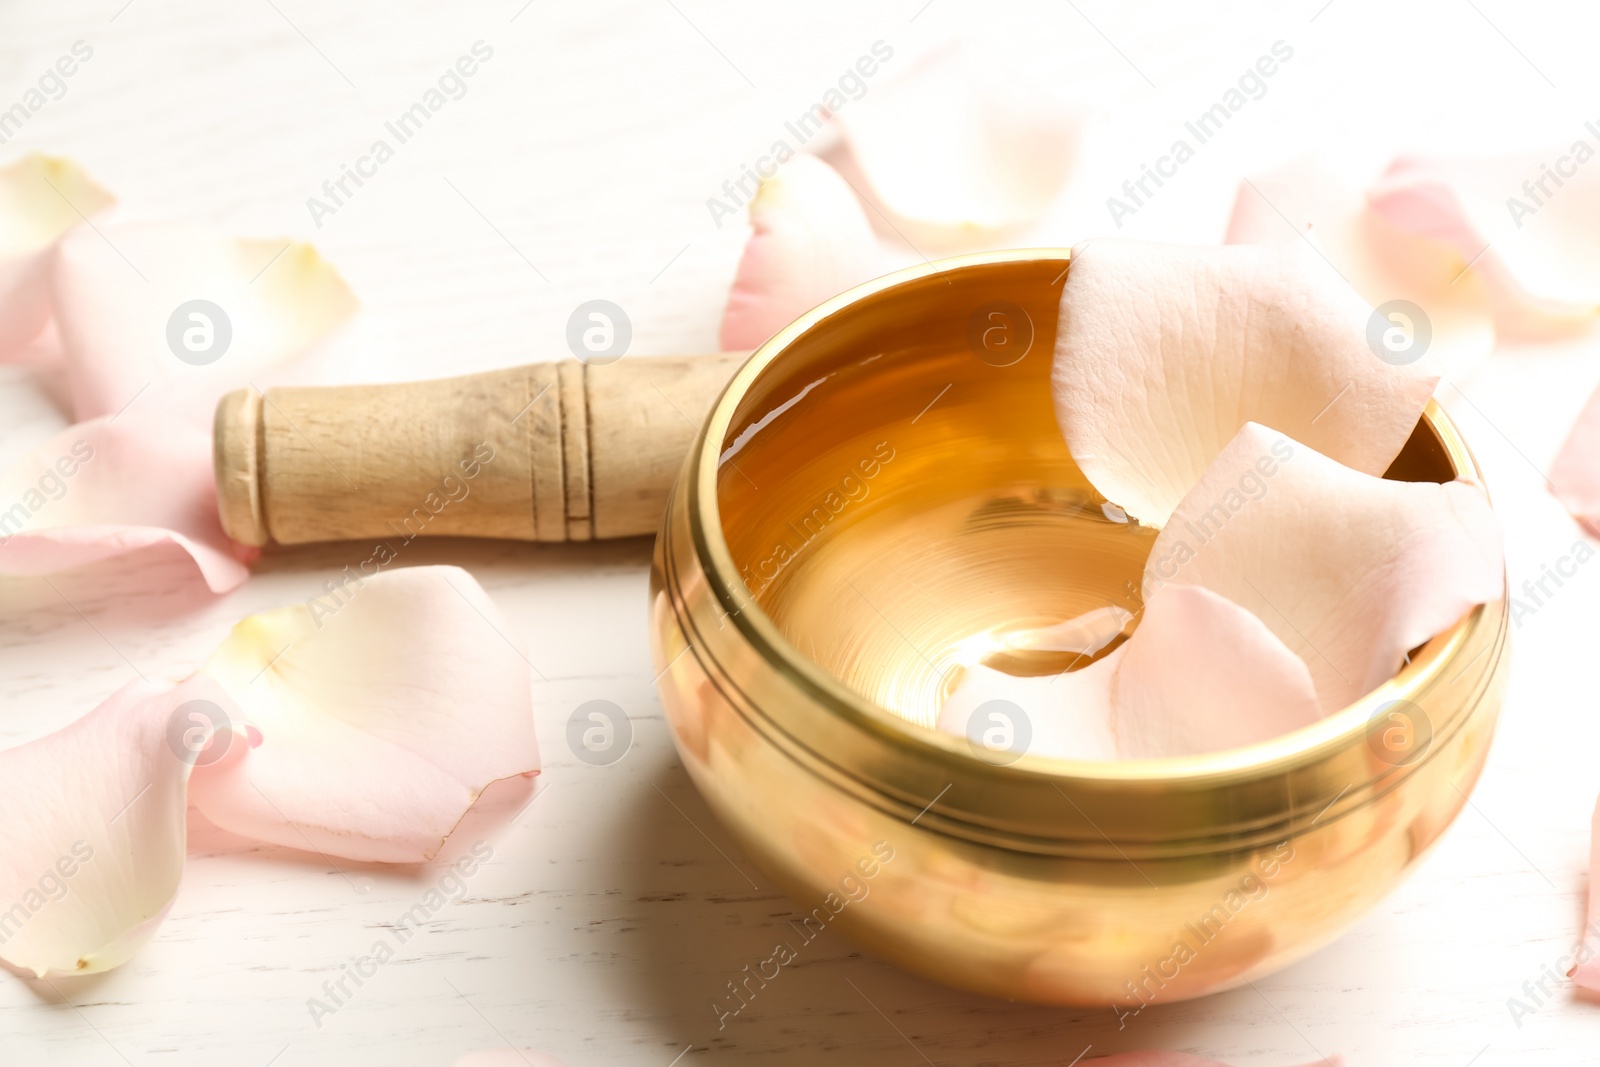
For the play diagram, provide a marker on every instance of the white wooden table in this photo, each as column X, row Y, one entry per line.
column 577, row 166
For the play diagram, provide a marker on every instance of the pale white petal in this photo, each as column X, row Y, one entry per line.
column 1350, row 571
column 383, row 709
column 1586, row 972
column 1165, row 351
column 109, row 487
column 958, row 151
column 41, row 199
column 92, row 845
column 1530, row 231
column 1575, row 472
column 810, row 241
column 1004, row 717
column 126, row 308
column 1085, row 634
column 1447, row 326
column 1201, row 674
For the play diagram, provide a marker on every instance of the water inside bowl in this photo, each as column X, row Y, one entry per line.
column 899, row 506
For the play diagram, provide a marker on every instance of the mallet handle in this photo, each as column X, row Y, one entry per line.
column 544, row 452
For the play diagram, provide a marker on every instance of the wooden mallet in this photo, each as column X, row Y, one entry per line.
column 560, row 451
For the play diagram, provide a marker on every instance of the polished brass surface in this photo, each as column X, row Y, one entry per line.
column 875, row 502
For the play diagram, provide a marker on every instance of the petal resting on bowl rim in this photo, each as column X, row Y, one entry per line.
column 1165, row 351
column 1349, row 570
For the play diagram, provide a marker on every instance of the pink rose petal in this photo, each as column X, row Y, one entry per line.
column 1165, row 351
column 40, row 202
column 810, row 242
column 1350, row 571
column 1305, row 201
column 372, row 732
column 1536, row 246
column 1284, row 587
column 1575, row 472
column 108, row 487
column 383, row 710
column 123, row 294
column 1085, row 634
column 92, row 845
column 956, row 151
column 1586, row 972
column 1201, row 674
column 1062, row 715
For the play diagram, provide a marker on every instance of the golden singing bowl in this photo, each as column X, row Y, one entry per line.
column 882, row 491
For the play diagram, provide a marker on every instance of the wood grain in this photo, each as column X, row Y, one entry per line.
column 544, row 452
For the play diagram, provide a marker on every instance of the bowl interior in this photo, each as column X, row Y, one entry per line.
column 897, row 495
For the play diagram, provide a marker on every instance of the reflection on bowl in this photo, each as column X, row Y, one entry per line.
column 880, row 498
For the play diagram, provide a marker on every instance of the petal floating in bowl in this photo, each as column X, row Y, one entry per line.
column 1202, row 674
column 1285, row 587
column 1085, row 634
column 1004, row 717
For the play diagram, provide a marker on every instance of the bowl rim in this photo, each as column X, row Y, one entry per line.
column 1299, row 748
